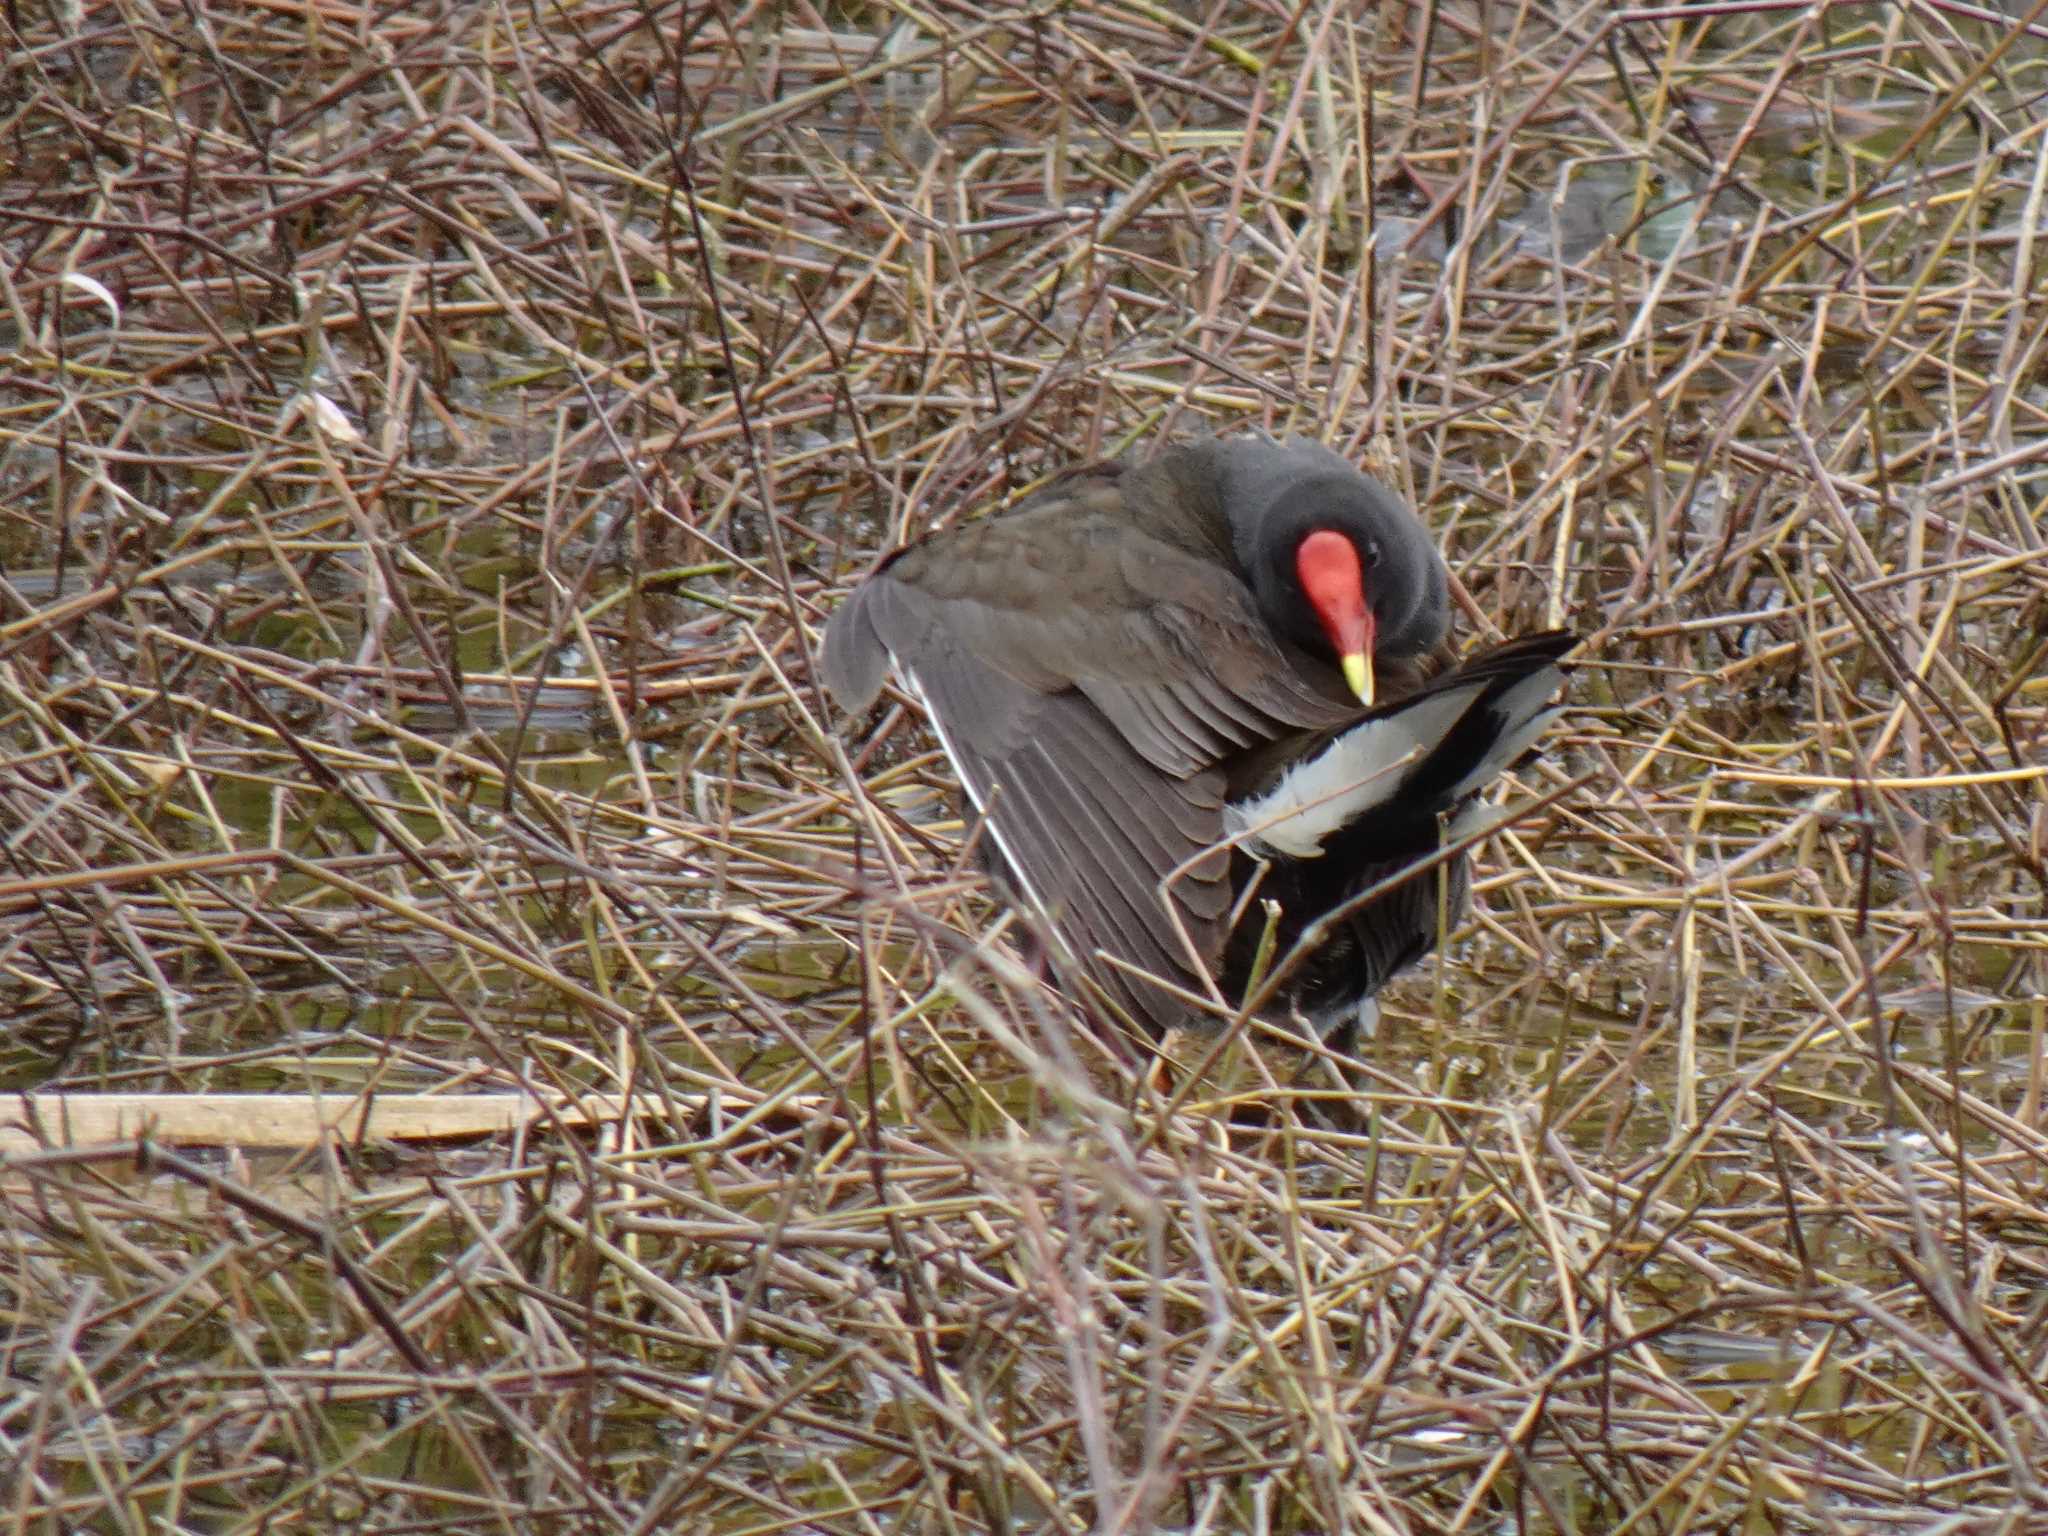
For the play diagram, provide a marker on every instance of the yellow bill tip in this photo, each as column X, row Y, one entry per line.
column 1358, row 676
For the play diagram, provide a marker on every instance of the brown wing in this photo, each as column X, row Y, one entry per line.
column 1091, row 836
column 1086, row 678
column 1070, row 590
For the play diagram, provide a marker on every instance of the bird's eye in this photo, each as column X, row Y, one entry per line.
column 1372, row 553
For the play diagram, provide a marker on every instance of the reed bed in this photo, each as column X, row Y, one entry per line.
column 430, row 438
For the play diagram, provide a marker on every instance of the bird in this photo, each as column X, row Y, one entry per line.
column 1204, row 706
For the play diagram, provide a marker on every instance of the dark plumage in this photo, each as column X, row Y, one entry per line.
column 1140, row 661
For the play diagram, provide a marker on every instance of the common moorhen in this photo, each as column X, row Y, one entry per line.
column 1161, row 685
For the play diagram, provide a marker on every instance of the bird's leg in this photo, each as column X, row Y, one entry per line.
column 1339, row 1055
column 1034, row 954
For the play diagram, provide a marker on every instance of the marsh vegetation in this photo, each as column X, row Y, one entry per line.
column 429, row 442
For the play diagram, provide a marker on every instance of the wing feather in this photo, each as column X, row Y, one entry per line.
column 1090, row 830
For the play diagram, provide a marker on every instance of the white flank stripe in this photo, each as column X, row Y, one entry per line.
column 1362, row 768
column 1346, row 779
